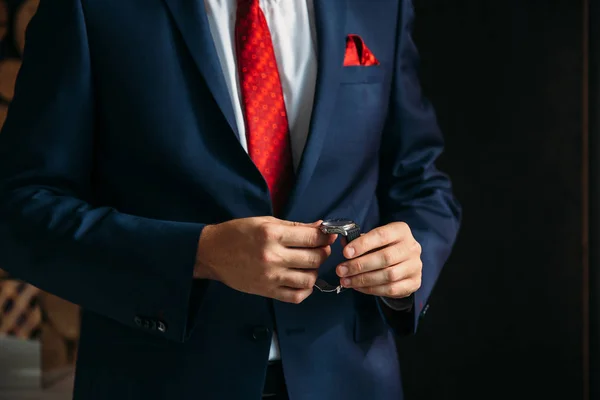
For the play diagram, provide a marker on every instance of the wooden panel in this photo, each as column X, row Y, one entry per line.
column 3, row 114
column 61, row 315
column 25, row 12
column 9, row 68
column 3, row 19
column 20, row 314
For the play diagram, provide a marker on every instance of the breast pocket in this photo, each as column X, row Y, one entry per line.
column 361, row 75
column 361, row 108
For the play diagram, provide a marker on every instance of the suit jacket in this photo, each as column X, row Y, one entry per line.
column 121, row 145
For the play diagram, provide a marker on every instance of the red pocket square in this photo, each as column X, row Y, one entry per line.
column 357, row 53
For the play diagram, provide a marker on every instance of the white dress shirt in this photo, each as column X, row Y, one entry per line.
column 293, row 32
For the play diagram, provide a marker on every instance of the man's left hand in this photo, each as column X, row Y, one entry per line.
column 383, row 262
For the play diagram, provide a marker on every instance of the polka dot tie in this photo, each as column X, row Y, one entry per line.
column 267, row 128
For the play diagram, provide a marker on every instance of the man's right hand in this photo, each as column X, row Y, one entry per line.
column 265, row 256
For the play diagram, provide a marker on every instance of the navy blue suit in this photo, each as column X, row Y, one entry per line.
column 121, row 145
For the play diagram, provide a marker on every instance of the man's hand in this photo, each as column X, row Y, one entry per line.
column 264, row 256
column 384, row 262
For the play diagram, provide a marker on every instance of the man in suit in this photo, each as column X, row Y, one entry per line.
column 167, row 165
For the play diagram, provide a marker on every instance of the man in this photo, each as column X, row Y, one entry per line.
column 167, row 165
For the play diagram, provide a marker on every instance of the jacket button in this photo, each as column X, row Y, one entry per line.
column 138, row 321
column 162, row 327
column 261, row 333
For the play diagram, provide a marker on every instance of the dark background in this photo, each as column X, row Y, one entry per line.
column 594, row 129
column 507, row 318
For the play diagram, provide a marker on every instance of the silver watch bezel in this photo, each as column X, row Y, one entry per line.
column 328, row 227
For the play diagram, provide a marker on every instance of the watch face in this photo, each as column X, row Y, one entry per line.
column 338, row 223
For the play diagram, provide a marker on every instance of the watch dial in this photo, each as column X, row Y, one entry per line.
column 339, row 222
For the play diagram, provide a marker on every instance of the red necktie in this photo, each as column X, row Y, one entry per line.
column 267, row 128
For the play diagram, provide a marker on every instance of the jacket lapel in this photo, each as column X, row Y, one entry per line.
column 330, row 17
column 192, row 21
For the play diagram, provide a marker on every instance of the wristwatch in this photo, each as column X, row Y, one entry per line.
column 346, row 228
column 340, row 226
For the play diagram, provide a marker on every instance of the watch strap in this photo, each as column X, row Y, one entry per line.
column 353, row 233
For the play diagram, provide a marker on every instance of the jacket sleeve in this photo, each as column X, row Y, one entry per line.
column 137, row 271
column 411, row 189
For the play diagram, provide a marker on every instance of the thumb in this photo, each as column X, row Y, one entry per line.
column 315, row 224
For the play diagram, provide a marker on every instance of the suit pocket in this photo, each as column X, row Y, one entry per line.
column 361, row 75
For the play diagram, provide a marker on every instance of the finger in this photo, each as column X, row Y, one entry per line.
column 344, row 240
column 289, row 295
column 315, row 224
column 383, row 258
column 305, row 237
column 396, row 290
column 377, row 278
column 377, row 238
column 305, row 258
column 298, row 279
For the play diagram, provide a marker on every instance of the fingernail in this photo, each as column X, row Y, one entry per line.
column 346, row 282
column 343, row 270
column 350, row 251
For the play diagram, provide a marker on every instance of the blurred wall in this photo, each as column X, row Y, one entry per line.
column 507, row 318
